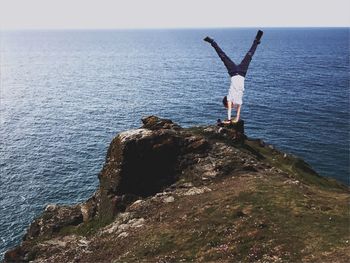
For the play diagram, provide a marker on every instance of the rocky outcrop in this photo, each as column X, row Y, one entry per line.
column 143, row 162
column 53, row 219
column 159, row 174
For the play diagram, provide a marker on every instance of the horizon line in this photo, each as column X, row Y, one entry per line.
column 166, row 28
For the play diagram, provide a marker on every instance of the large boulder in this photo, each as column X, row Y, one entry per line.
column 154, row 123
column 142, row 162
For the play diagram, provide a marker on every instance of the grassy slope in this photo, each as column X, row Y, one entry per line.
column 253, row 217
column 289, row 214
column 249, row 218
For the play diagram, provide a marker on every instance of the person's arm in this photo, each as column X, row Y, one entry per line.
column 229, row 110
column 238, row 112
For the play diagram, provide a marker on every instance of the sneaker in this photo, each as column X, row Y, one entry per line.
column 258, row 36
column 209, row 40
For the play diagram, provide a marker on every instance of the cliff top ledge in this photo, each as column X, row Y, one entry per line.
column 207, row 193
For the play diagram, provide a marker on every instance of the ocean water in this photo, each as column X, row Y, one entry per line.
column 66, row 94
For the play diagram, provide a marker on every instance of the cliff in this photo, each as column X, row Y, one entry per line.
column 172, row 194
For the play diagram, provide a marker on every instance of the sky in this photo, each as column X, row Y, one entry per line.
column 95, row 14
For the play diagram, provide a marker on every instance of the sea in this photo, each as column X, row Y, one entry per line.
column 66, row 93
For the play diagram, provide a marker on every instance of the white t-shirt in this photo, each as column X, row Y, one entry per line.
column 235, row 93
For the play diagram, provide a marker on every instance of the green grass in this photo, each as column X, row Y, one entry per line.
column 292, row 165
column 294, row 226
column 85, row 229
column 278, row 221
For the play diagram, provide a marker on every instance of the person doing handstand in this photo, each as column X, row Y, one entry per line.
column 237, row 74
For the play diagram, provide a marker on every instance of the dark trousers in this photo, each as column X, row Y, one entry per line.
column 231, row 67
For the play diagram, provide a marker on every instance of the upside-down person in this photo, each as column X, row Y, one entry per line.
column 237, row 74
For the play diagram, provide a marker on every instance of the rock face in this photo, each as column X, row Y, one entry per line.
column 161, row 177
column 53, row 219
column 142, row 162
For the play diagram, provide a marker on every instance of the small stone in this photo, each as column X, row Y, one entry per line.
column 137, row 222
column 83, row 243
column 135, row 205
column 169, row 199
column 160, row 194
column 123, row 234
column 50, row 207
column 137, row 202
column 56, row 242
column 187, row 185
column 123, row 227
column 196, row 191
